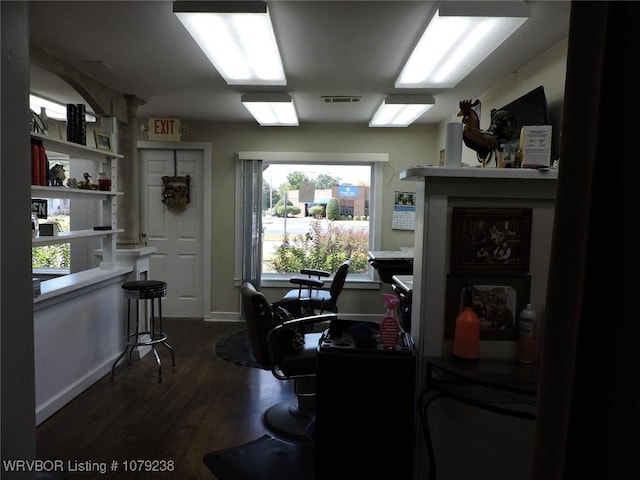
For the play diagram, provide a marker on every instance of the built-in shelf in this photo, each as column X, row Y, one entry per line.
column 74, row 149
column 106, row 200
column 66, row 192
column 66, row 237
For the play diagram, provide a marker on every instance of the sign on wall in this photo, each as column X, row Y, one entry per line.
column 164, row 129
column 347, row 191
column 307, row 192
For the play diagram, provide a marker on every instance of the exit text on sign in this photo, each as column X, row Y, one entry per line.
column 163, row 128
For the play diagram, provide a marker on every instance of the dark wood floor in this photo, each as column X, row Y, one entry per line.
column 204, row 404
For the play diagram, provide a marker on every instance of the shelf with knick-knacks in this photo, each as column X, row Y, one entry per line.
column 49, row 181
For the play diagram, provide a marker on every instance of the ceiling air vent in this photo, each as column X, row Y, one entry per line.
column 340, row 99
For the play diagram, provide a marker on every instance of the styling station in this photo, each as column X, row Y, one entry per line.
column 440, row 268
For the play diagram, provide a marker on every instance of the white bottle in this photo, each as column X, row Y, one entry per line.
column 35, row 226
column 526, row 352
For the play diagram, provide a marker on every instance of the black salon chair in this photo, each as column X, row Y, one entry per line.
column 311, row 294
column 281, row 343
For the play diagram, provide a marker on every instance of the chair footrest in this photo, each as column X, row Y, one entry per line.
column 157, row 337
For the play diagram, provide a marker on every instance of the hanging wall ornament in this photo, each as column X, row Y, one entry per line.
column 175, row 189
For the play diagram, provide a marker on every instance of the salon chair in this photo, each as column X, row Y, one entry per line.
column 311, row 294
column 283, row 345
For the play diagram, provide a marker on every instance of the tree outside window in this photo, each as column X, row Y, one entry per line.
column 312, row 232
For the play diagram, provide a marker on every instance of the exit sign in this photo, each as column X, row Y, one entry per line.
column 164, row 128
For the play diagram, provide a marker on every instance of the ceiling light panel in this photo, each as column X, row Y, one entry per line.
column 271, row 109
column 401, row 110
column 457, row 40
column 237, row 38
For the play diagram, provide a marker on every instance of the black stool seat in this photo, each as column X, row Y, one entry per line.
column 151, row 290
column 143, row 289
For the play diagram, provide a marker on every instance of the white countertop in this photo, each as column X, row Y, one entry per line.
column 421, row 171
column 75, row 281
column 390, row 255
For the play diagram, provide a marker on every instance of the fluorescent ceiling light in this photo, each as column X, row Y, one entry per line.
column 401, row 110
column 56, row 111
column 458, row 38
column 271, row 109
column 237, row 38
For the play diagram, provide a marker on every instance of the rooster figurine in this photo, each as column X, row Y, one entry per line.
column 484, row 143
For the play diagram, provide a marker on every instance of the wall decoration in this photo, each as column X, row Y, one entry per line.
column 490, row 239
column 175, row 188
column 175, row 192
column 103, row 141
column 404, row 211
column 497, row 300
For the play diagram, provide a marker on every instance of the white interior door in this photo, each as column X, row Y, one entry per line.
column 178, row 236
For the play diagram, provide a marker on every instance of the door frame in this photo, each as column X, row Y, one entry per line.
column 207, row 196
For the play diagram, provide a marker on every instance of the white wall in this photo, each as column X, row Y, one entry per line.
column 405, row 146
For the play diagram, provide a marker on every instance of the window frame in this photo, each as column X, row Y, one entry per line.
column 375, row 160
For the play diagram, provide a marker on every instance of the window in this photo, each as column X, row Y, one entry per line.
column 301, row 229
column 56, row 257
column 312, row 214
column 53, row 259
column 67, row 215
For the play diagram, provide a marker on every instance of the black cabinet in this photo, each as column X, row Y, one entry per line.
column 365, row 410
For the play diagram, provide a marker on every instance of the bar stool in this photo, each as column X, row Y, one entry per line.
column 145, row 290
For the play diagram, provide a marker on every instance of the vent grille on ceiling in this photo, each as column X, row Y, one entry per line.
column 340, row 99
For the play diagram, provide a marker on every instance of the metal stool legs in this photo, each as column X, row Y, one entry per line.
column 138, row 291
column 159, row 337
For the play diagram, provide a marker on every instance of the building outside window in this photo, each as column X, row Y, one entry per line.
column 313, row 215
column 311, row 235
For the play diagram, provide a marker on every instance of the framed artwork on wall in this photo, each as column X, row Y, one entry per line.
column 103, row 141
column 490, row 239
column 497, row 300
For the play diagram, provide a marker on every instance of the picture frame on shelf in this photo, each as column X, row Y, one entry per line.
column 490, row 240
column 103, row 141
column 497, row 300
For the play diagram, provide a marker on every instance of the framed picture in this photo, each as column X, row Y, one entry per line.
column 490, row 239
column 103, row 141
column 495, row 298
